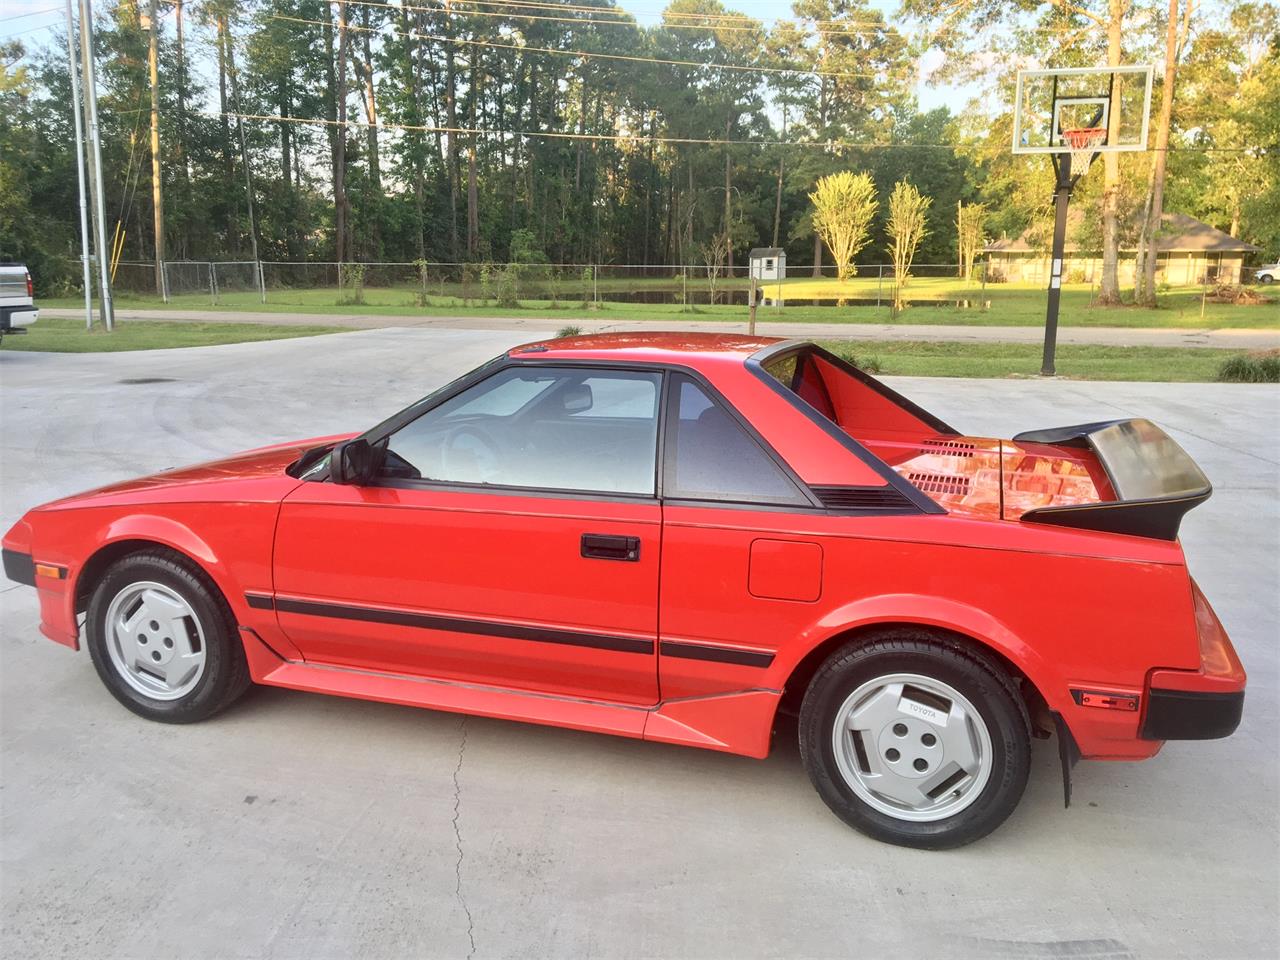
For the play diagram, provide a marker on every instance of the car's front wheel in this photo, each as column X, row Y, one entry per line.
column 163, row 639
column 1267, row 278
column 915, row 740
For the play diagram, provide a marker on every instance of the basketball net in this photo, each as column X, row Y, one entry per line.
column 1084, row 142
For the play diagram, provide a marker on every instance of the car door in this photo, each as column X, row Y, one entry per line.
column 511, row 539
column 742, row 554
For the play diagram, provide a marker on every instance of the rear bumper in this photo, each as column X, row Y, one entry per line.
column 1203, row 704
column 15, row 319
column 1191, row 715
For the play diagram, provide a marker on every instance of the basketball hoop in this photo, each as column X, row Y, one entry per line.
column 1084, row 142
column 1073, row 114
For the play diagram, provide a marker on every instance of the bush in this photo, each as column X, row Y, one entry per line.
column 473, row 273
column 1260, row 366
column 420, row 296
column 353, row 282
column 506, row 284
column 569, row 331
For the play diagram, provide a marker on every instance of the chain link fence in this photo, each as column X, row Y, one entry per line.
column 550, row 285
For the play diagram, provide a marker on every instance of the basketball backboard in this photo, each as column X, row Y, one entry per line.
column 1049, row 103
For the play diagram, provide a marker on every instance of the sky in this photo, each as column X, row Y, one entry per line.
column 31, row 20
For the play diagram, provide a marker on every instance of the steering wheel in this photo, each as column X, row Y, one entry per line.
column 469, row 449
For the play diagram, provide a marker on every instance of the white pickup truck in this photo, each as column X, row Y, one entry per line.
column 17, row 308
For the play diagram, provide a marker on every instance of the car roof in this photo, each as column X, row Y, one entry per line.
column 684, row 348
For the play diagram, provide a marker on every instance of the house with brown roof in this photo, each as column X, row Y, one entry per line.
column 1188, row 251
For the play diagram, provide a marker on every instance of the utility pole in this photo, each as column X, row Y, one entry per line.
column 74, row 69
column 95, row 162
column 157, row 200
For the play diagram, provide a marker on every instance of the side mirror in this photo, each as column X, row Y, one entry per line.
column 577, row 398
column 354, row 462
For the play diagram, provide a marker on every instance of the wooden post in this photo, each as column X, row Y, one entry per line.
column 751, row 322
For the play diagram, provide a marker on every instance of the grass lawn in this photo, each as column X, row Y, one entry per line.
column 1009, row 305
column 69, row 336
column 920, row 358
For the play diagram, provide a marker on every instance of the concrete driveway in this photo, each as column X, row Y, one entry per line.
column 533, row 328
column 313, row 827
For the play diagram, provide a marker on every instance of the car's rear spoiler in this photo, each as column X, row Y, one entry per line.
column 1154, row 480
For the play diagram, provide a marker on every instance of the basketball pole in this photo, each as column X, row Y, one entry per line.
column 1061, row 197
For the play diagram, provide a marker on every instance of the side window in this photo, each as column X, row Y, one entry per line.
column 542, row 427
column 711, row 457
column 799, row 373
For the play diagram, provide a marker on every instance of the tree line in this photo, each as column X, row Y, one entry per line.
column 456, row 131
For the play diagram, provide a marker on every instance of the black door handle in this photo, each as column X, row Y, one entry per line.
column 607, row 546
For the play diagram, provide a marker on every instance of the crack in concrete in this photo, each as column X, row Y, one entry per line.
column 457, row 835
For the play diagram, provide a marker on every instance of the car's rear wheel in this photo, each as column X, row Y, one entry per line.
column 1267, row 278
column 915, row 740
column 163, row 640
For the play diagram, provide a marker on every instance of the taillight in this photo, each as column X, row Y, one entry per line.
column 29, row 292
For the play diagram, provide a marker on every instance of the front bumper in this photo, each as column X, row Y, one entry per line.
column 19, row 567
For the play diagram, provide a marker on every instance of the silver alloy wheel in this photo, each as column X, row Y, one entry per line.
column 912, row 747
column 155, row 640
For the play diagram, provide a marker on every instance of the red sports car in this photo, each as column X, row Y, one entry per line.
column 675, row 537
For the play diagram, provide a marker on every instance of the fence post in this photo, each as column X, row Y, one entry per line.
column 595, row 285
column 684, row 289
column 213, row 284
column 262, row 284
column 879, row 283
column 984, row 284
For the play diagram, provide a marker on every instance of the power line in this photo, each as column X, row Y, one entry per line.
column 586, row 54
column 33, row 13
column 603, row 137
column 675, row 14
column 643, row 140
column 591, row 21
column 23, row 33
column 839, row 28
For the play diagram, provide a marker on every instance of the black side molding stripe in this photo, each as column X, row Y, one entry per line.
column 698, row 651
column 259, row 601
column 484, row 628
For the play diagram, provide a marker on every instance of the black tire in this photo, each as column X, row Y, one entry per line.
column 226, row 674
column 974, row 676
column 1267, row 278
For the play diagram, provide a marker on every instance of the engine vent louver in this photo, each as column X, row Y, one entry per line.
column 937, row 483
column 951, row 448
column 864, row 499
